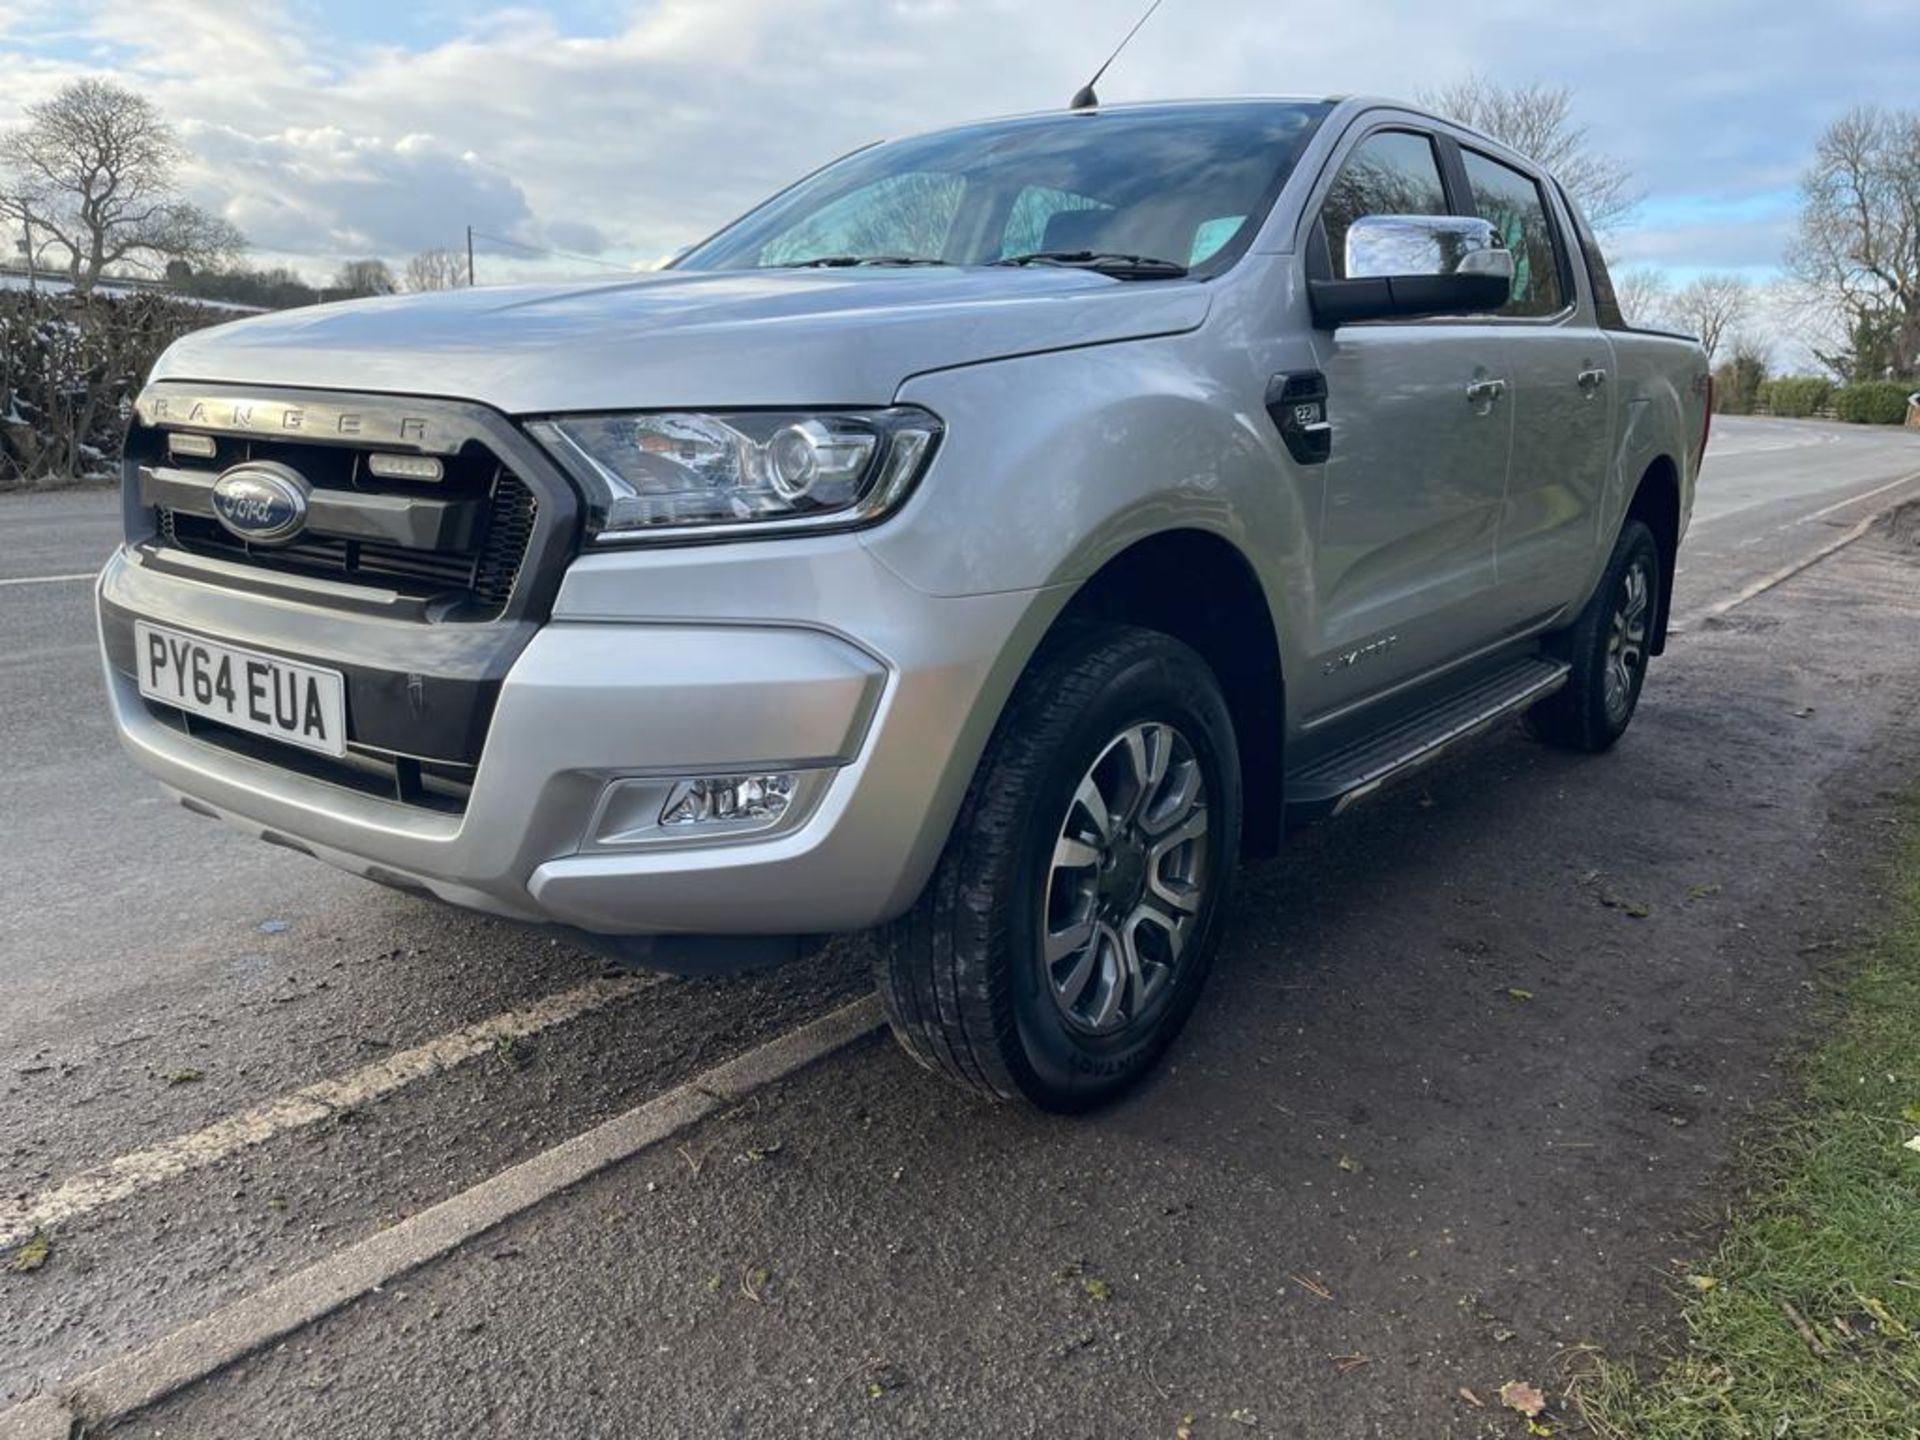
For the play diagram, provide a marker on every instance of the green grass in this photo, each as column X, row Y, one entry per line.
column 1805, row 1324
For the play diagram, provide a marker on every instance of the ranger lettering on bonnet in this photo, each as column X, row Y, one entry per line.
column 986, row 542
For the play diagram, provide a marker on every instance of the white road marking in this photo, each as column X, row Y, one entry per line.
column 173, row 1362
column 129, row 1174
column 1778, row 577
column 48, row 579
column 1856, row 499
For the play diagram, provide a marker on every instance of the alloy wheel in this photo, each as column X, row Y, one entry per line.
column 1126, row 881
column 1627, row 640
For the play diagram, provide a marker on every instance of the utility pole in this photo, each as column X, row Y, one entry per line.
column 469, row 257
column 26, row 232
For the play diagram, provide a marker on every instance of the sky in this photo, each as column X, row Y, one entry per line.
column 619, row 130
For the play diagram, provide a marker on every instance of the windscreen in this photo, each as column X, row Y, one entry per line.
column 1183, row 184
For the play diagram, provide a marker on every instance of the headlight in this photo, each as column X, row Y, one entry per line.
column 677, row 475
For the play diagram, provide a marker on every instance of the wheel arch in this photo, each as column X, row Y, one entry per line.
column 1220, row 609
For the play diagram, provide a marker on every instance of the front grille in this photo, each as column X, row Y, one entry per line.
column 470, row 579
column 421, row 592
column 483, row 575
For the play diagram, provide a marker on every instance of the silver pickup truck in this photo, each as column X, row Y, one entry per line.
column 984, row 542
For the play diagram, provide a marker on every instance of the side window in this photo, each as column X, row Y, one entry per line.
column 1391, row 172
column 907, row 214
column 1606, row 301
column 1513, row 204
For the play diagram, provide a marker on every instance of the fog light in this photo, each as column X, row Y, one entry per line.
column 720, row 799
column 202, row 446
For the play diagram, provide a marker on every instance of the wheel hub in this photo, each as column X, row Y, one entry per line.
column 1123, row 875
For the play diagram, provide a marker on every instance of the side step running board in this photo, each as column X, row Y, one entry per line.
column 1353, row 772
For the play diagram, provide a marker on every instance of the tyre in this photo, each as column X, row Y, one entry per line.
column 1072, row 918
column 1608, row 647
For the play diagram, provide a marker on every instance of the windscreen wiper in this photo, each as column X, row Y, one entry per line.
column 826, row 262
column 1107, row 262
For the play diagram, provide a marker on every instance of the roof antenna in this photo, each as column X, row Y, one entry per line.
column 1084, row 98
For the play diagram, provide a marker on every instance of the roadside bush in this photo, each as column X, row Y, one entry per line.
column 1737, row 384
column 1873, row 402
column 1797, row 396
column 69, row 368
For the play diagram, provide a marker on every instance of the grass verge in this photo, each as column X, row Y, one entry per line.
column 1805, row 1325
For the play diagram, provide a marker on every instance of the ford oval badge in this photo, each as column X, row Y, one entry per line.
column 261, row 502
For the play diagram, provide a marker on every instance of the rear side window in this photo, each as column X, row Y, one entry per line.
column 1391, row 172
column 1515, row 206
column 1606, row 304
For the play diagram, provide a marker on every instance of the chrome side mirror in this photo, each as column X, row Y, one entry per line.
column 1407, row 266
column 1389, row 245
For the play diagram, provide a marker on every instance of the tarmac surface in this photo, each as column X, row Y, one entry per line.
column 1454, row 1106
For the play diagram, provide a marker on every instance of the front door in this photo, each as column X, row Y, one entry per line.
column 1422, row 423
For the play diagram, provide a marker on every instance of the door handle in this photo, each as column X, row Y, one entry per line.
column 1592, row 380
column 1485, row 391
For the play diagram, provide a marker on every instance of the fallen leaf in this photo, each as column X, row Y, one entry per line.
column 1522, row 1397
column 1184, row 1430
column 1914, row 1144
column 31, row 1253
column 1472, row 1399
column 1243, row 1417
column 1347, row 1163
column 1514, row 992
column 1097, row 1290
column 184, row 1077
column 1702, row 1283
column 753, row 1284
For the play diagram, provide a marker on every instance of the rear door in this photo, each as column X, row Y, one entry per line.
column 1563, row 387
column 1404, row 572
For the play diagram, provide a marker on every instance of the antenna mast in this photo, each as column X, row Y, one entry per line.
column 1084, row 98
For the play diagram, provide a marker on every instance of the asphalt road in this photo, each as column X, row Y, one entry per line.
column 1363, row 1103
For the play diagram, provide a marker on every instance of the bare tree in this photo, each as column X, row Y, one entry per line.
column 436, row 270
column 1712, row 307
column 91, row 176
column 1858, row 247
column 1645, row 296
column 364, row 277
column 1537, row 120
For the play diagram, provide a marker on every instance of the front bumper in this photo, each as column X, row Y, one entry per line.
column 651, row 666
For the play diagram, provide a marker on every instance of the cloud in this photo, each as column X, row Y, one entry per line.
column 330, row 192
column 630, row 129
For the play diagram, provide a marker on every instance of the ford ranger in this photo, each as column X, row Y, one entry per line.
column 984, row 543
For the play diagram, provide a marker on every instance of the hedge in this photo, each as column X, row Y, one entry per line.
column 1872, row 402
column 69, row 368
column 1798, row 396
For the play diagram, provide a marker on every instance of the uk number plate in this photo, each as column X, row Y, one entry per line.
column 263, row 694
